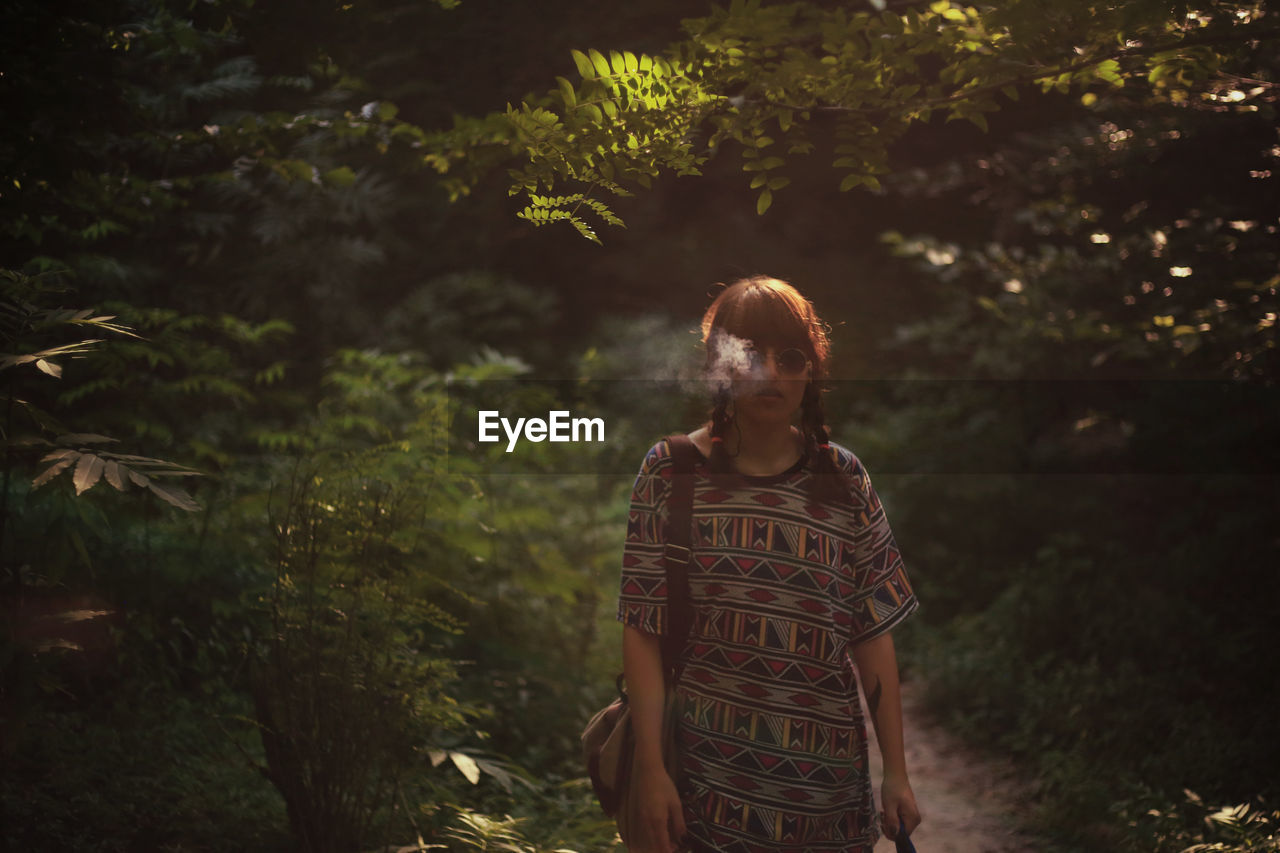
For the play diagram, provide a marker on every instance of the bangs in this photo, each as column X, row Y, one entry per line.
column 765, row 318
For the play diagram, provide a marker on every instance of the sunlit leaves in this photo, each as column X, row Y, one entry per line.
column 613, row 128
column 585, row 67
column 466, row 766
column 361, row 541
column 35, row 321
column 599, row 63
column 1109, row 70
column 544, row 210
column 750, row 66
column 177, row 363
column 567, row 93
column 118, row 469
column 1193, row 825
column 473, row 766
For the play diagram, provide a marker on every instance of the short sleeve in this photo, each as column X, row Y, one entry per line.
column 642, row 598
column 884, row 596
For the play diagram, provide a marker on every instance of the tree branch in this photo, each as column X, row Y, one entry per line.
column 1020, row 80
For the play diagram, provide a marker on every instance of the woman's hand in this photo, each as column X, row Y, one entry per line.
column 899, row 806
column 661, row 814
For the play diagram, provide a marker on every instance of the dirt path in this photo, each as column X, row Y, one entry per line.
column 967, row 803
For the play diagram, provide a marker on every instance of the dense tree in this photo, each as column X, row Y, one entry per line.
column 259, row 191
column 751, row 72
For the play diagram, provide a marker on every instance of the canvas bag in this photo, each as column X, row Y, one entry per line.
column 608, row 743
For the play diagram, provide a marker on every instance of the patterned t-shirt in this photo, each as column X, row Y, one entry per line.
column 773, row 742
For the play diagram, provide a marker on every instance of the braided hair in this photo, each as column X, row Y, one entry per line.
column 768, row 312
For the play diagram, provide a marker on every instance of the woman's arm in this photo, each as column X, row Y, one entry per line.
column 878, row 672
column 660, row 813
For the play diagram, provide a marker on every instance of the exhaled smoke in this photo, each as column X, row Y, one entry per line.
column 730, row 359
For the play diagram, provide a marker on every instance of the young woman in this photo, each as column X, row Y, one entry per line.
column 795, row 579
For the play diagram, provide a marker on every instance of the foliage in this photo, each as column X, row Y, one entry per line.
column 1075, row 621
column 260, row 211
column 1106, row 273
column 350, row 675
column 473, row 831
column 1194, row 826
column 30, row 332
column 760, row 79
column 147, row 768
column 457, row 318
column 547, row 818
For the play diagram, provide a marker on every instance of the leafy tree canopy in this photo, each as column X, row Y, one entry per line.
column 756, row 79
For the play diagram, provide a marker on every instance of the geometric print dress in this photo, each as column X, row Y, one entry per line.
column 773, row 745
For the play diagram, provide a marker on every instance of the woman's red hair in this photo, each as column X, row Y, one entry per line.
column 769, row 313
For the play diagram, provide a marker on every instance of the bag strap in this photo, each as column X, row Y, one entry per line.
column 677, row 554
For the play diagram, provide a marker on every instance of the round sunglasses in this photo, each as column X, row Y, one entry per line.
column 790, row 362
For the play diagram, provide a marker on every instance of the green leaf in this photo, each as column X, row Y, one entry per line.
column 763, row 202
column 585, row 230
column 343, row 176
column 585, row 68
column 566, row 92
column 1109, row 70
column 849, row 182
column 601, row 64
column 630, row 61
column 617, row 63
column 387, row 110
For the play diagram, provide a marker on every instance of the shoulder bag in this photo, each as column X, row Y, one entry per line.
column 608, row 744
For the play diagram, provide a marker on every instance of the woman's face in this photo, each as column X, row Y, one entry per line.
column 768, row 384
